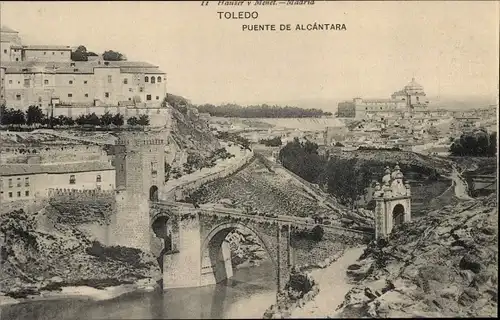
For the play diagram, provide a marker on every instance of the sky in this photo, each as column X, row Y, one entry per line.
column 451, row 48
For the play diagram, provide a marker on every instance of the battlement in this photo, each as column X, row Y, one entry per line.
column 78, row 193
column 138, row 139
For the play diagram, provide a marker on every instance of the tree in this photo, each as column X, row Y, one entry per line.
column 273, row 142
column 93, row 119
column 478, row 143
column 34, row 115
column 143, row 120
column 111, row 55
column 80, row 54
column 16, row 117
column 317, row 233
column 118, row 120
column 81, row 120
column 132, row 121
column 106, row 119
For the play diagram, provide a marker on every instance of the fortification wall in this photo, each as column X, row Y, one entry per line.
column 182, row 191
column 55, row 153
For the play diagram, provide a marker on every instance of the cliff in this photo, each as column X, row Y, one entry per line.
column 45, row 250
column 444, row 264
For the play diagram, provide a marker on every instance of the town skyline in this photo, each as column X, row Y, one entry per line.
column 376, row 56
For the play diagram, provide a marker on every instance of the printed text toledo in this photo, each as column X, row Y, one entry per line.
column 253, row 15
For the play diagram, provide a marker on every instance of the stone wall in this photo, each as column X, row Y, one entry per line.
column 184, row 190
column 51, row 154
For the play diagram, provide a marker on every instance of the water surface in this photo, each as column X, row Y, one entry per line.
column 247, row 295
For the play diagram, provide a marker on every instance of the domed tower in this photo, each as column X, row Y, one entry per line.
column 416, row 97
column 393, row 202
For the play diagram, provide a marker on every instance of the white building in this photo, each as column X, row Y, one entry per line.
column 30, row 181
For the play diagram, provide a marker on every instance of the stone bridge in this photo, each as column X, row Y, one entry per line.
column 196, row 253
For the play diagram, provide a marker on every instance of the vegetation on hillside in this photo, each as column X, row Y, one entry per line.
column 260, row 111
column 344, row 177
column 478, row 143
column 273, row 142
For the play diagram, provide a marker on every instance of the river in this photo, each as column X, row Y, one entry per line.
column 247, row 295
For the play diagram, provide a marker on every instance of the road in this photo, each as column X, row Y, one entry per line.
column 461, row 187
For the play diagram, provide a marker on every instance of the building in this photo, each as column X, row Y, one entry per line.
column 408, row 102
column 30, row 181
column 45, row 76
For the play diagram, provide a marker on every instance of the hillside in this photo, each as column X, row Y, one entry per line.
column 444, row 264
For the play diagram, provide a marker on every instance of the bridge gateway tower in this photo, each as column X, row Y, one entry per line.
column 393, row 202
column 140, row 178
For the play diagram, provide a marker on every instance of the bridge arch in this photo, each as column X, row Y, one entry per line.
column 216, row 264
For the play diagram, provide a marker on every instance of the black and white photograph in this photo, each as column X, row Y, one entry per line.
column 248, row 159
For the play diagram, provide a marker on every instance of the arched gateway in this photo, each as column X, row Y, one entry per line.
column 393, row 202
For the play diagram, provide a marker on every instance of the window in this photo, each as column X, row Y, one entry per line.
column 86, row 95
column 153, row 168
column 130, row 90
column 158, row 79
column 148, row 97
column 70, row 95
column 98, row 187
column 18, row 182
column 27, row 193
column 26, row 182
column 10, row 183
column 10, row 81
column 19, row 194
column 110, row 79
column 146, row 79
column 17, row 59
column 125, row 81
column 10, row 194
column 106, row 94
column 18, row 97
column 26, row 82
column 85, row 82
column 153, row 80
column 62, row 53
column 44, row 53
column 157, row 98
column 70, row 81
column 53, row 53
column 72, row 179
column 141, row 89
column 98, row 178
column 45, row 81
column 4, row 50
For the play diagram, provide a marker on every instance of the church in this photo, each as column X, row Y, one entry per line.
column 405, row 103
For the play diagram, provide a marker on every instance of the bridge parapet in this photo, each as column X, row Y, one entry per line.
column 171, row 208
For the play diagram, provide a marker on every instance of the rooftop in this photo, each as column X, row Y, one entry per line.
column 53, row 168
column 46, row 47
column 79, row 67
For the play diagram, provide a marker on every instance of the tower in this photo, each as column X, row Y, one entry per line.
column 140, row 178
column 393, row 202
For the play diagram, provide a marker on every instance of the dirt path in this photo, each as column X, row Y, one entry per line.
column 333, row 287
column 460, row 185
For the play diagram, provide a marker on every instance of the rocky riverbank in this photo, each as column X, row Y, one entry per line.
column 39, row 255
column 444, row 264
column 245, row 249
